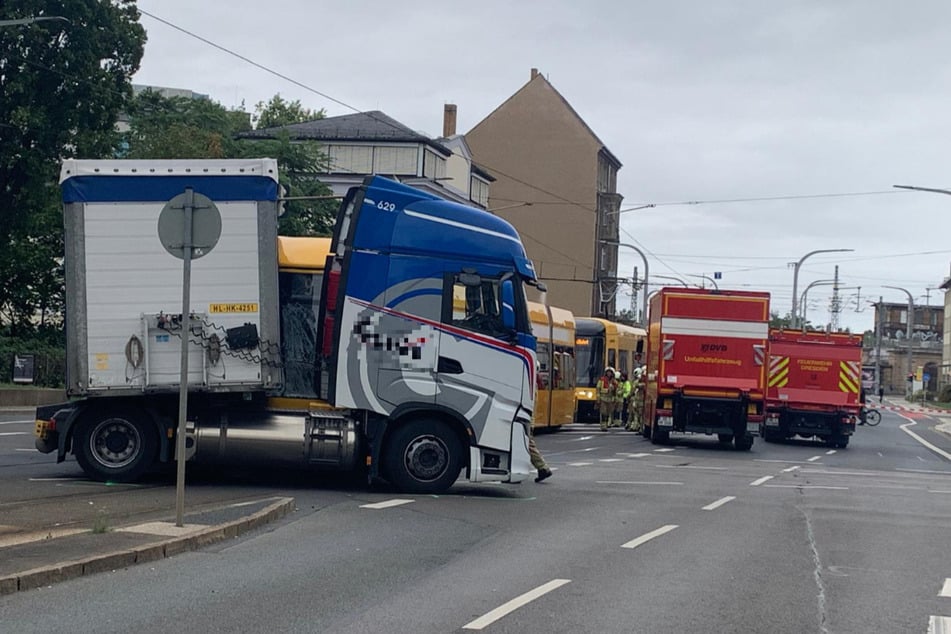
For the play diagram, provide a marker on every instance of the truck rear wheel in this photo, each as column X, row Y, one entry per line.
column 115, row 445
column 423, row 456
column 743, row 442
column 659, row 437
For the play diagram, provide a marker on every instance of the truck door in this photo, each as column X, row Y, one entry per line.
column 481, row 371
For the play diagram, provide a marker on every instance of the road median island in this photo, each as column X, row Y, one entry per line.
column 52, row 561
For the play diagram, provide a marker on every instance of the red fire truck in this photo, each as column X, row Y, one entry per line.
column 813, row 386
column 706, row 355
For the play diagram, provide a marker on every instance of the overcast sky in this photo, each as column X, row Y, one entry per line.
column 701, row 101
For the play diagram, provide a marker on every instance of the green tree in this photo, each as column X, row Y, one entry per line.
column 178, row 127
column 63, row 85
column 775, row 321
column 626, row 316
column 278, row 112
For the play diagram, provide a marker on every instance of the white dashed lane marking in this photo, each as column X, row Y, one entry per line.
column 814, row 458
column 386, row 504
column 756, row 483
column 665, row 450
column 806, row 486
column 646, row 537
column 580, row 464
column 946, row 589
column 611, row 460
column 719, row 503
column 507, row 608
column 790, row 469
column 830, row 452
column 636, row 482
column 939, row 625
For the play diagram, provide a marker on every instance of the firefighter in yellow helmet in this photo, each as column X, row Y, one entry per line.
column 607, row 397
column 636, row 420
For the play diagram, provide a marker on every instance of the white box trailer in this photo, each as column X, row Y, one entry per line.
column 124, row 292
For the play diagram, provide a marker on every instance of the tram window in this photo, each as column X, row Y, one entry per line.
column 612, row 358
column 623, row 363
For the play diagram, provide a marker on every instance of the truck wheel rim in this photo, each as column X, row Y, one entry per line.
column 426, row 458
column 115, row 443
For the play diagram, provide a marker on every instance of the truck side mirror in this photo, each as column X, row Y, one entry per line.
column 508, row 304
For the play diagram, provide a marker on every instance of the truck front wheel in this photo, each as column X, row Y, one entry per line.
column 743, row 442
column 423, row 456
column 114, row 445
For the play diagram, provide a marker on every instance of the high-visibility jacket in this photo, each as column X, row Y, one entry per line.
column 625, row 389
column 607, row 388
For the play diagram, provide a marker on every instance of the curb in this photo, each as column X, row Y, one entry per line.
column 47, row 575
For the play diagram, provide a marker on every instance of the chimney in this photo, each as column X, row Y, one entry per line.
column 449, row 120
column 534, row 73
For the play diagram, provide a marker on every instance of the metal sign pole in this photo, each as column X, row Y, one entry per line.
column 186, row 326
column 189, row 226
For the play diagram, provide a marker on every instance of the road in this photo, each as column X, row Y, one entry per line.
column 626, row 537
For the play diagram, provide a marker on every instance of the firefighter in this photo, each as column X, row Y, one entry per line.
column 607, row 392
column 637, row 401
column 624, row 396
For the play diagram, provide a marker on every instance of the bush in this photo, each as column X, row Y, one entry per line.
column 944, row 394
column 921, row 395
column 49, row 369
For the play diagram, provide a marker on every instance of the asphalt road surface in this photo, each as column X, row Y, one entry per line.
column 625, row 537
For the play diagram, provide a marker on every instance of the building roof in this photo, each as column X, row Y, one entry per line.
column 536, row 76
column 459, row 141
column 369, row 126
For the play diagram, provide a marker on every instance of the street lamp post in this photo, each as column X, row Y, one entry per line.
column 805, row 293
column 25, row 21
column 706, row 277
column 646, row 271
column 795, row 284
column 911, row 319
column 671, row 277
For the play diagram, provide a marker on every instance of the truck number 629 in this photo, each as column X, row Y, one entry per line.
column 386, row 206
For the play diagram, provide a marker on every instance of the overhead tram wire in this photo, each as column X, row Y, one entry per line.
column 580, row 205
column 563, row 200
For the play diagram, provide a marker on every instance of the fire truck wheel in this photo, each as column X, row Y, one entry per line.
column 423, row 456
column 743, row 443
column 725, row 438
column 659, row 437
column 115, row 444
column 769, row 435
column 839, row 442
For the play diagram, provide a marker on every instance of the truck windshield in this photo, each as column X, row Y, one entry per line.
column 479, row 308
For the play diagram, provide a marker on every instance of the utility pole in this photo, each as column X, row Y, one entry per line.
column 880, row 318
column 835, row 306
column 633, row 295
column 910, row 324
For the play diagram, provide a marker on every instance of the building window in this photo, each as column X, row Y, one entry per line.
column 395, row 160
column 434, row 166
column 479, row 192
column 607, row 175
column 350, row 159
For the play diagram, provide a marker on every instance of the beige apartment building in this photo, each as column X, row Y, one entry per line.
column 556, row 182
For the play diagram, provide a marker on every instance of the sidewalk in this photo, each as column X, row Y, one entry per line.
column 43, row 560
column 901, row 405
